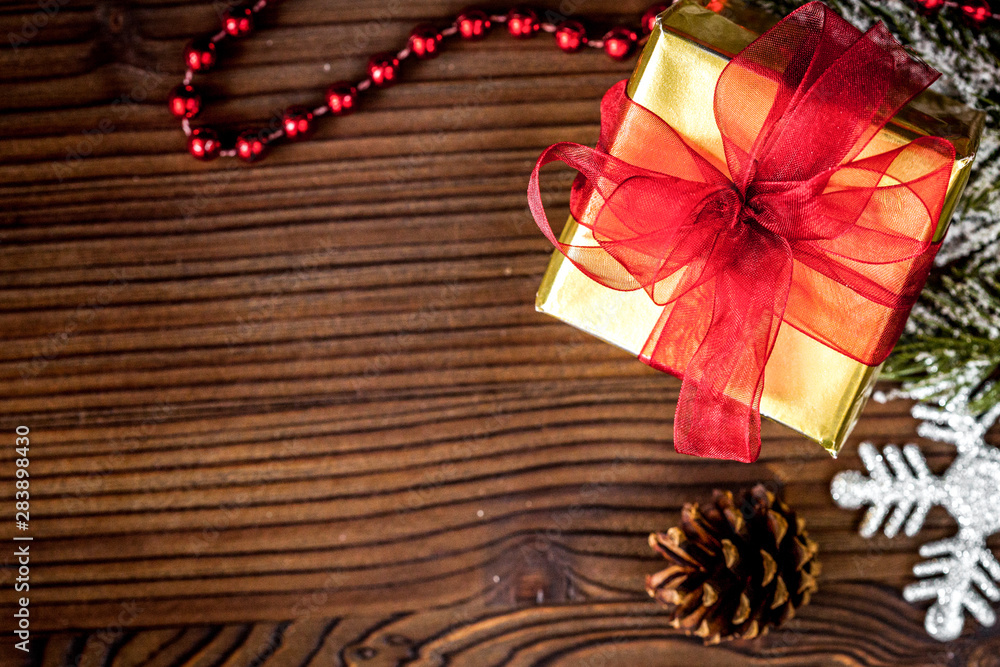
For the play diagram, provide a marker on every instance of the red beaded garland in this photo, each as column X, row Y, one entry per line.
column 975, row 11
column 425, row 41
column 297, row 123
column 929, row 6
column 204, row 144
column 382, row 69
column 200, row 55
column 571, row 36
column 619, row 42
column 250, row 145
column 238, row 21
column 473, row 24
column 648, row 19
column 341, row 98
column 522, row 22
column 184, row 101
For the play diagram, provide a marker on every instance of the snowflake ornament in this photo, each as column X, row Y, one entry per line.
column 962, row 572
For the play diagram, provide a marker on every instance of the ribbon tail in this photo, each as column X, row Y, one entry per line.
column 734, row 426
column 718, row 411
column 708, row 422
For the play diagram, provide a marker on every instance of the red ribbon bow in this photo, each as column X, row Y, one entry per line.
column 802, row 228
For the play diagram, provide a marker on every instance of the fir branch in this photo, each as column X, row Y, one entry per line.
column 950, row 352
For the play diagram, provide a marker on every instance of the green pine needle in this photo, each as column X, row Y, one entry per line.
column 951, row 351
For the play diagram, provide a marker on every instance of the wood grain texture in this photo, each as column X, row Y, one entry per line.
column 303, row 413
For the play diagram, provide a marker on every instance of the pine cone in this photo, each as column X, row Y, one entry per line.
column 737, row 568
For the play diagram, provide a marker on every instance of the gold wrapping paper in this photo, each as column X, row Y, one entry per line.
column 808, row 387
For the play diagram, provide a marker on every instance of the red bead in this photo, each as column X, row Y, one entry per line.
column 204, row 144
column 199, row 54
column 184, row 101
column 648, row 19
column 250, row 145
column 619, row 42
column 928, row 7
column 425, row 41
column 473, row 24
column 238, row 21
column 382, row 69
column 975, row 11
column 297, row 123
column 341, row 98
column 571, row 36
column 522, row 22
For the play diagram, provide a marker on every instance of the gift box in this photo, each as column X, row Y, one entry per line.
column 808, row 385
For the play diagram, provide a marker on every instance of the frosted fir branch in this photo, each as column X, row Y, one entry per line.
column 975, row 229
column 950, row 350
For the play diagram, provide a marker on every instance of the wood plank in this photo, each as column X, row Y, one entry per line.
column 303, row 412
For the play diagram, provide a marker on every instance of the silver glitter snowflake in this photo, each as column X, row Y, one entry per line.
column 962, row 572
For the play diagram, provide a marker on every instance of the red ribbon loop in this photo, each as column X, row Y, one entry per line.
column 802, row 230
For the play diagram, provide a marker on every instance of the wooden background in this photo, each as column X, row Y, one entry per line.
column 303, row 412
